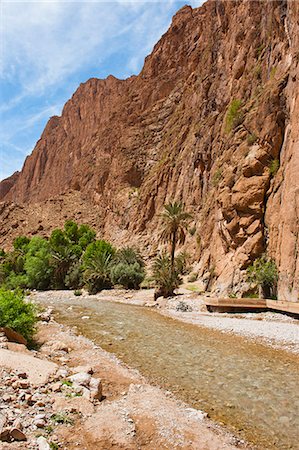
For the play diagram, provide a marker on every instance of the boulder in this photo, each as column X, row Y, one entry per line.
column 13, row 336
column 80, row 379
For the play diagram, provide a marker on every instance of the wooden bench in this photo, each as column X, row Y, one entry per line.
column 250, row 304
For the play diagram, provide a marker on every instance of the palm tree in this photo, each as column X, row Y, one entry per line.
column 175, row 223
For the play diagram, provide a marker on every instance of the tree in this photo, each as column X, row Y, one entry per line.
column 38, row 264
column 175, row 223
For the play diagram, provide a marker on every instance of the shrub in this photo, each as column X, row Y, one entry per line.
column 251, row 138
column 193, row 277
column 129, row 255
column 182, row 263
column 97, row 266
column 274, row 166
column 166, row 278
column 77, row 293
column 16, row 314
column 263, row 272
column 14, row 281
column 192, row 231
column 129, row 276
column 217, row 177
column 74, row 276
column 234, row 115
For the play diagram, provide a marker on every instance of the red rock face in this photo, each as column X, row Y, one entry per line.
column 121, row 149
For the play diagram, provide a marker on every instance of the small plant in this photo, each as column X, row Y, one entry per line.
column 68, row 383
column 192, row 288
column 193, row 277
column 77, row 293
column 217, row 177
column 274, row 166
column 232, row 295
column 258, row 72
column 192, row 231
column 54, row 446
column 234, row 115
column 251, row 138
column 273, row 73
column 61, row 418
column 263, row 272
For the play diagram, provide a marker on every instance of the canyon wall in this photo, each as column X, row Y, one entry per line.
column 211, row 120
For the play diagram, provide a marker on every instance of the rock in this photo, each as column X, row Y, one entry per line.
column 62, row 373
column 95, row 387
column 39, row 423
column 13, row 336
column 17, row 435
column 80, row 379
column 56, row 387
column 86, row 369
column 42, row 443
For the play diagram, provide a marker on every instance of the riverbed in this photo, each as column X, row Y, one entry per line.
column 250, row 388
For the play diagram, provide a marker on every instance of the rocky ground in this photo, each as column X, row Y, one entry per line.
column 71, row 394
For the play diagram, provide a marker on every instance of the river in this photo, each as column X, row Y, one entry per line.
column 250, row 388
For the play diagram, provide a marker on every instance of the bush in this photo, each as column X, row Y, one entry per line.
column 16, row 314
column 234, row 115
column 15, row 281
column 251, row 138
column 183, row 307
column 217, row 177
column 166, row 279
column 97, row 261
column 129, row 255
column 263, row 272
column 74, row 277
column 77, row 293
column 130, row 276
column 182, row 263
column 274, row 166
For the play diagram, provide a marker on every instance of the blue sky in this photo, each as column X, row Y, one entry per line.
column 49, row 47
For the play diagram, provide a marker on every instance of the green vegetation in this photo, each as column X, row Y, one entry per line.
column 263, row 272
column 61, row 418
column 251, row 138
column 273, row 167
column 167, row 268
column 70, row 259
column 217, row 177
column 234, row 115
column 16, row 314
column 166, row 276
column 175, row 224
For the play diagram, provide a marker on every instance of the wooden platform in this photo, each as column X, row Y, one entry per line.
column 250, row 304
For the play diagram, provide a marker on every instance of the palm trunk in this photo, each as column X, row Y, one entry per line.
column 173, row 244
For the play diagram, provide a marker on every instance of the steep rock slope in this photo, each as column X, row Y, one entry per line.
column 211, row 120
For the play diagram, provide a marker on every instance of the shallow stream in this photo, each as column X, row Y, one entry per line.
column 251, row 388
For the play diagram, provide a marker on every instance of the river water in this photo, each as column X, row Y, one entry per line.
column 251, row 388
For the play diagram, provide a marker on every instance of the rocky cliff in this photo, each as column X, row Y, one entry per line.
column 211, row 120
